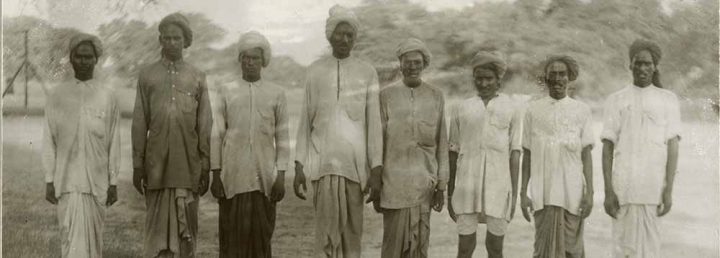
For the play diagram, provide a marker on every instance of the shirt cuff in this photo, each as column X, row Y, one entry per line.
column 113, row 178
column 441, row 185
column 454, row 147
column 281, row 166
column 49, row 178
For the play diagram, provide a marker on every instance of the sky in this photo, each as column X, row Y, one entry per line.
column 293, row 27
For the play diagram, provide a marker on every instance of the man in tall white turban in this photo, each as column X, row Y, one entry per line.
column 339, row 139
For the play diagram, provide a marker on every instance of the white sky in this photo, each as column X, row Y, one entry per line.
column 294, row 27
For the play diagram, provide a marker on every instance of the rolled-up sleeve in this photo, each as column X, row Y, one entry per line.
column 673, row 118
column 282, row 137
column 611, row 121
column 527, row 129
column 516, row 129
column 373, row 123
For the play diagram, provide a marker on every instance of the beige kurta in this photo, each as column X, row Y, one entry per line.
column 484, row 137
column 250, row 137
column 81, row 156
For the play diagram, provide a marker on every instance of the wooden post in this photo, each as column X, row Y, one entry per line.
column 27, row 89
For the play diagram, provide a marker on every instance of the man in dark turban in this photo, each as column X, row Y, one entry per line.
column 557, row 144
column 81, row 151
column 171, row 143
column 642, row 122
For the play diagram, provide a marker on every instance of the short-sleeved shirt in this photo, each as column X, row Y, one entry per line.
column 250, row 137
column 640, row 121
column 171, row 125
column 483, row 138
column 416, row 149
column 555, row 132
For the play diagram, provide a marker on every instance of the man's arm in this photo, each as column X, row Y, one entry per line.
column 49, row 155
column 587, row 202
column 442, row 149
column 139, row 128
column 282, row 147
column 114, row 147
column 670, row 170
column 374, row 125
column 525, row 202
column 204, row 124
column 607, row 165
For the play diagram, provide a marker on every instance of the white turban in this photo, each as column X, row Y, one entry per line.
column 254, row 39
column 493, row 58
column 413, row 44
column 339, row 14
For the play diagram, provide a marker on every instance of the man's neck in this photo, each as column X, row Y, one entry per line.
column 251, row 78
column 558, row 97
column 83, row 78
column 341, row 55
column 486, row 99
column 412, row 83
column 641, row 85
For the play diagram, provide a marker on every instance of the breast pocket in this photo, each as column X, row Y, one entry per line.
column 267, row 120
column 95, row 121
column 656, row 125
column 186, row 99
column 428, row 128
column 354, row 102
column 498, row 131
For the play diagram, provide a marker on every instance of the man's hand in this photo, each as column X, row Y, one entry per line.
column 451, row 211
column 204, row 182
column 111, row 195
column 611, row 204
column 139, row 180
column 438, row 200
column 50, row 193
column 278, row 189
column 586, row 204
column 666, row 204
column 216, row 188
column 299, row 181
column 526, row 206
column 374, row 187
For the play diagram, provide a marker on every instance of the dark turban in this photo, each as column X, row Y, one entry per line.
column 180, row 21
column 641, row 44
column 80, row 38
column 572, row 66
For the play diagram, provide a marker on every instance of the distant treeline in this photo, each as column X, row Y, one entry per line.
column 596, row 33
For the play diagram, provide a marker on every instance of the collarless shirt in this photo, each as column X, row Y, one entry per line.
column 340, row 131
column 484, row 137
column 555, row 132
column 416, row 148
column 640, row 121
column 81, row 149
column 250, row 137
column 171, row 125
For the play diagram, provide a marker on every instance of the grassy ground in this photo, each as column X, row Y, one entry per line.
column 29, row 225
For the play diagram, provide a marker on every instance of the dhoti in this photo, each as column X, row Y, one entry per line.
column 338, row 216
column 406, row 232
column 558, row 234
column 636, row 231
column 171, row 223
column 246, row 223
column 81, row 217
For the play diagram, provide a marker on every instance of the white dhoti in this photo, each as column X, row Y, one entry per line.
column 81, row 217
column 636, row 231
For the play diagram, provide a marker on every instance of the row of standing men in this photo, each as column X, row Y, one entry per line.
column 356, row 139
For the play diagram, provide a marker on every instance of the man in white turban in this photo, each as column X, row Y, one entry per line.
column 415, row 169
column 485, row 134
column 81, row 151
column 339, row 139
column 249, row 153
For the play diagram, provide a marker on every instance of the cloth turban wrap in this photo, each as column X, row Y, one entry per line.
column 494, row 59
column 640, row 45
column 252, row 40
column 80, row 38
column 339, row 14
column 572, row 66
column 413, row 44
column 180, row 21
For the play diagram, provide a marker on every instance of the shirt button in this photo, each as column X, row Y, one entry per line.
column 173, row 85
column 173, row 98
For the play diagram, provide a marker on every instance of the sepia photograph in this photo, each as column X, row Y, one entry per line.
column 360, row 128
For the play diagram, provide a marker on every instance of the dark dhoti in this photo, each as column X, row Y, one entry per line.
column 172, row 223
column 339, row 217
column 247, row 222
column 558, row 234
column 406, row 232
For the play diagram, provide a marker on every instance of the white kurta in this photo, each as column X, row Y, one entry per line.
column 640, row 121
column 484, row 137
column 555, row 132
